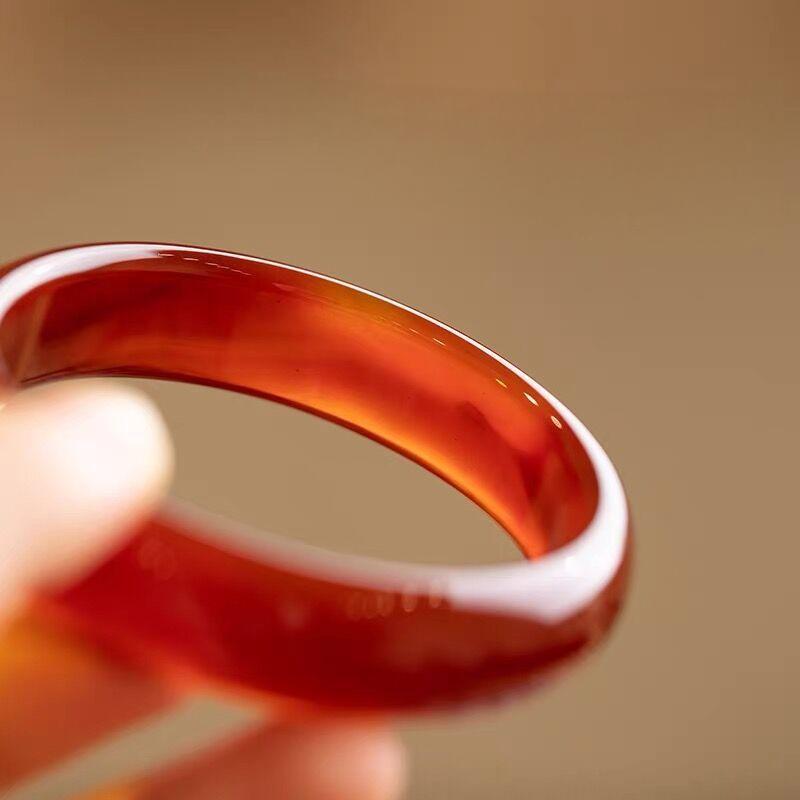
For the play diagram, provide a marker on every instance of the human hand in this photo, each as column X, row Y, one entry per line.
column 79, row 465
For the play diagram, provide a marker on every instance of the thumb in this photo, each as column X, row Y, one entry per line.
column 78, row 466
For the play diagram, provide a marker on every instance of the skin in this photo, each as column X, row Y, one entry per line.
column 79, row 465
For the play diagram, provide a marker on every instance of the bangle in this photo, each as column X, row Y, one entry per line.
column 210, row 600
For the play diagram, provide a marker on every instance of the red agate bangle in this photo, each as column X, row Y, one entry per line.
column 207, row 598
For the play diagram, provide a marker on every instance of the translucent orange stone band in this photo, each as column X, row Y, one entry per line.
column 203, row 598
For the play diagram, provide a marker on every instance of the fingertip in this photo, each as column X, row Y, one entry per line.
column 80, row 464
column 365, row 761
column 323, row 760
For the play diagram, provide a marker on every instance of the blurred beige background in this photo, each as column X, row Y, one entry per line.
column 606, row 193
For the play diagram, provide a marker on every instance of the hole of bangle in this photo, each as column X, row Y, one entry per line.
column 275, row 469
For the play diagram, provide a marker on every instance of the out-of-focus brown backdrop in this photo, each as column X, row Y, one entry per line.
column 606, row 193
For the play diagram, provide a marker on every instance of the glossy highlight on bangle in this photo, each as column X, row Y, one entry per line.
column 207, row 600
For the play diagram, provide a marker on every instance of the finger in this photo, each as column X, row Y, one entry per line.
column 326, row 761
column 78, row 466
